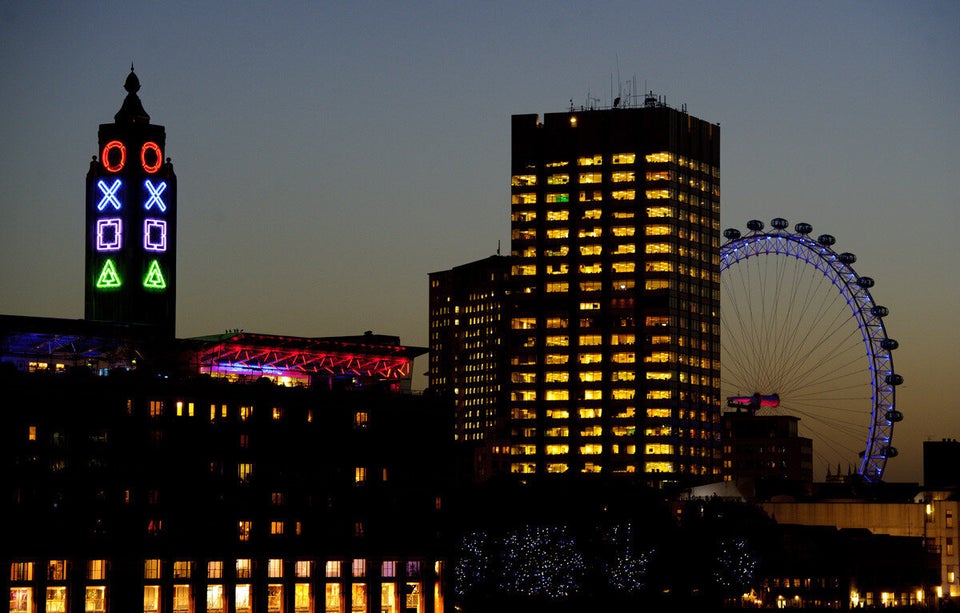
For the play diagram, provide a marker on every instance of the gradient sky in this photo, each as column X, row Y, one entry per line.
column 330, row 155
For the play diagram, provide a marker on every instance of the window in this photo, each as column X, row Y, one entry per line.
column 623, row 177
column 361, row 419
column 151, row 569
column 558, row 179
column 276, row 528
column 592, row 160
column 244, row 528
column 359, row 475
column 555, row 198
column 521, row 180
column 245, row 472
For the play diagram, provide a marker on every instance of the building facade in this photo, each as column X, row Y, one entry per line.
column 614, row 311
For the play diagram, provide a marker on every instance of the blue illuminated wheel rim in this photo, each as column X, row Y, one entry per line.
column 796, row 323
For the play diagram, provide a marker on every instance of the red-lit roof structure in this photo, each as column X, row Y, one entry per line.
column 369, row 357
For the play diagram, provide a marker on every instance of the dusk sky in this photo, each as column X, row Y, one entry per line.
column 330, row 155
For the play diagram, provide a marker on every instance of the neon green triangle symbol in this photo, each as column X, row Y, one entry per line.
column 108, row 276
column 154, row 278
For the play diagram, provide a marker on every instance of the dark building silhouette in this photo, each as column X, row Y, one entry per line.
column 940, row 461
column 231, row 473
column 765, row 455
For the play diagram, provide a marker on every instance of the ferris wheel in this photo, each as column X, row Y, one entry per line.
column 802, row 336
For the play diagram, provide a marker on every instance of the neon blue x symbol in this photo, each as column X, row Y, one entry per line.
column 109, row 195
column 155, row 195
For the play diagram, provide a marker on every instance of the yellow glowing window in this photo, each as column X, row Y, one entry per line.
column 245, row 472
column 151, row 569
column 657, row 230
column 623, row 177
column 32, row 433
column 523, row 377
column 523, row 216
column 523, row 395
column 558, row 233
column 521, row 180
column 659, row 395
column 656, row 284
column 591, row 177
column 624, row 266
column 593, row 394
column 658, row 449
column 558, row 432
column 588, row 196
column 658, row 194
column 557, row 449
column 559, row 252
column 554, row 467
column 622, row 339
column 623, row 375
column 523, row 450
column 624, row 194
column 557, row 395
column 659, row 267
column 594, row 232
column 590, row 286
column 557, row 197
column 624, row 215
column 523, row 414
column 359, row 475
column 557, row 341
column 516, row 467
column 243, row 529
column 624, row 158
column 591, row 375
column 658, row 248
column 592, row 214
column 556, row 322
column 592, row 160
column 589, row 306
column 591, row 449
column 590, row 358
column 626, row 412
column 558, row 179
column 659, row 175
column 655, row 320
column 590, row 339
column 623, row 394
column 556, row 358
column 527, row 198
column 623, row 230
column 557, row 215
column 523, row 323
column 523, row 235
column 592, row 431
column 659, row 376
column 557, row 287
column 590, row 249
column 276, row 527
column 660, row 211
column 623, row 357
column 558, row 414
column 661, row 156
column 556, row 377
column 590, row 269
column 625, row 248
column 661, row 339
column 557, row 164
column 156, row 408
column 661, row 357
column 557, row 269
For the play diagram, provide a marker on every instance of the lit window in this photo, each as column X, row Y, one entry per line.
column 590, row 249
column 661, row 156
column 594, row 196
column 558, row 179
column 623, row 230
column 660, row 211
column 556, row 358
column 624, row 194
column 361, row 419
column 624, row 267
column 591, row 177
column 594, row 232
column 592, row 160
column 659, row 267
column 557, row 449
column 591, row 375
column 590, row 269
column 658, row 248
column 359, row 475
column 558, row 414
column 557, row 287
column 555, row 198
column 557, row 395
column 558, row 233
column 591, row 449
column 333, row 568
column 657, row 230
column 623, row 177
column 590, row 358
column 521, row 180
column 245, row 472
column 524, row 199
column 244, row 528
column 558, row 215
column 656, row 284
column 592, row 214
column 624, row 158
column 276, row 528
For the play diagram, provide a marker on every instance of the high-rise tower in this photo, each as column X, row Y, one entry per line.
column 614, row 312
column 131, row 217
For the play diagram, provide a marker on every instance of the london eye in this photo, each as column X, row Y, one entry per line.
column 801, row 335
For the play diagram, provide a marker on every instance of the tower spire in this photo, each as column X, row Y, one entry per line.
column 132, row 109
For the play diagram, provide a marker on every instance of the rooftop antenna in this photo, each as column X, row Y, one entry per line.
column 498, row 247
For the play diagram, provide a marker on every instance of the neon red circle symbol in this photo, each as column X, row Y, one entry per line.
column 151, row 157
column 114, row 156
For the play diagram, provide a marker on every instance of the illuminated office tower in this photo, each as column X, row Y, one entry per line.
column 131, row 220
column 614, row 312
column 468, row 357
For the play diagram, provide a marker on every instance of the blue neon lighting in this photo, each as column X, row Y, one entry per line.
column 109, row 234
column 109, row 195
column 155, row 193
column 154, row 235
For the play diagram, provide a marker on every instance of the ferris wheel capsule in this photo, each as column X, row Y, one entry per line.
column 889, row 344
column 890, row 451
column 779, row 223
column 731, row 234
column 847, row 258
column 879, row 311
column 865, row 281
column 826, row 239
column 803, row 228
column 894, row 416
column 755, row 224
column 893, row 379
